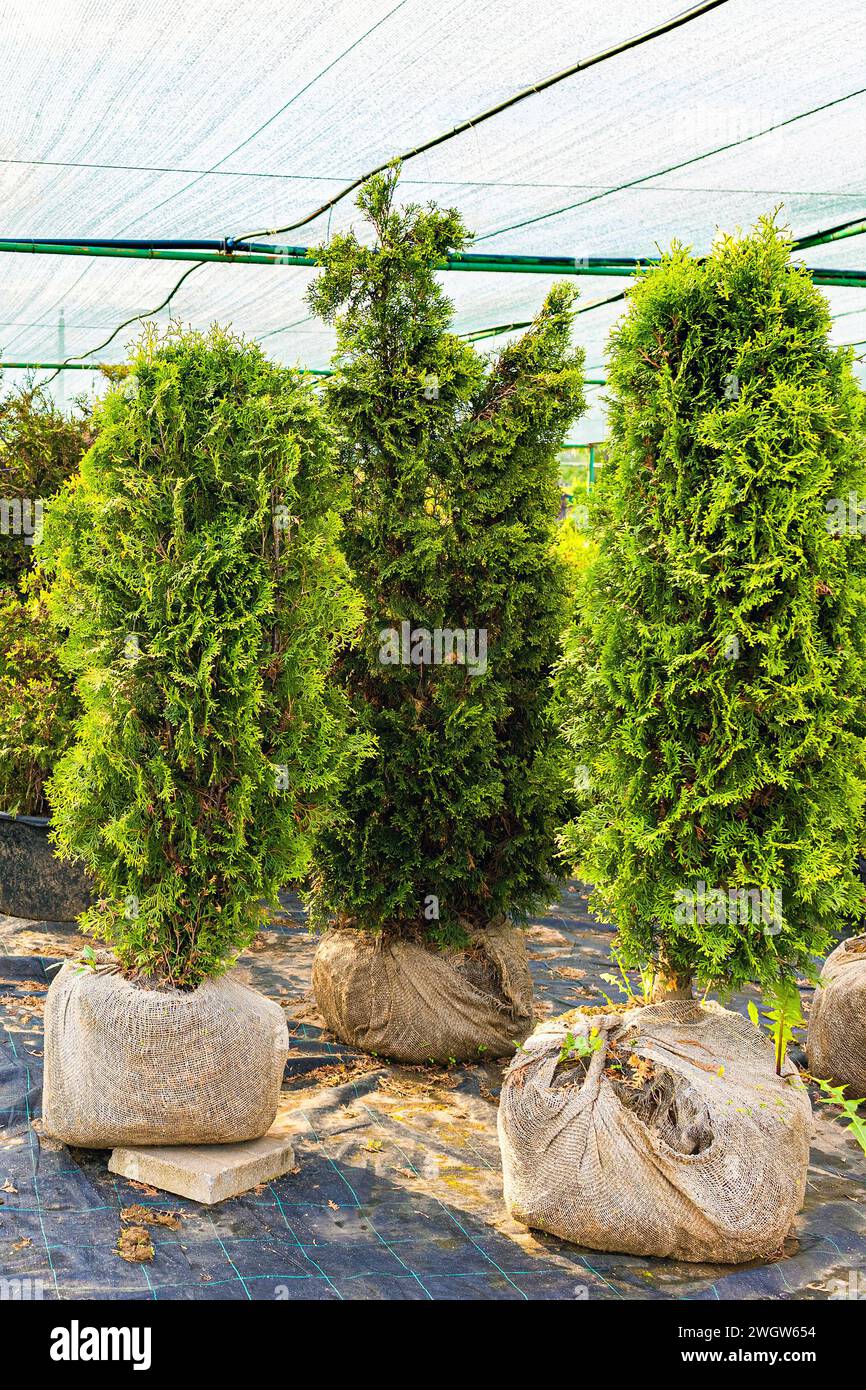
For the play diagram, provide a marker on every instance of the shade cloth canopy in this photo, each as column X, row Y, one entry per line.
column 147, row 119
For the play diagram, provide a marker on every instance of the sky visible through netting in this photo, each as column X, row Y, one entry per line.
column 150, row 120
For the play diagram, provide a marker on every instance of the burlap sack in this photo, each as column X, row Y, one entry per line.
column 397, row 999
column 697, row 1166
column 836, row 1041
column 127, row 1065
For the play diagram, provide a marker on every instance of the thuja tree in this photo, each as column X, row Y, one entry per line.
column 449, row 535
column 38, row 704
column 716, row 674
column 40, row 448
column 195, row 564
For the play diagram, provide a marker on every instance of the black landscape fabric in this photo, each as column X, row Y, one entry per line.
column 397, row 1190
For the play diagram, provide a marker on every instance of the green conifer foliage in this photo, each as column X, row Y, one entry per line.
column 38, row 704
column 451, row 527
column 195, row 563
column 39, row 449
column 716, row 673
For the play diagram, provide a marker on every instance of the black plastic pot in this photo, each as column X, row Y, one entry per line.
column 34, row 883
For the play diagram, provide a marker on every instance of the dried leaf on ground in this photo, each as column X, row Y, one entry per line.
column 144, row 1187
column 422, row 1085
column 150, row 1216
column 334, row 1073
column 28, row 1005
column 135, row 1246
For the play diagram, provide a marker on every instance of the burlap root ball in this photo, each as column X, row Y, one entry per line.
column 673, row 1138
column 129, row 1065
column 836, row 1041
column 402, row 1000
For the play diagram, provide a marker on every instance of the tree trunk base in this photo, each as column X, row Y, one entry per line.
column 669, row 985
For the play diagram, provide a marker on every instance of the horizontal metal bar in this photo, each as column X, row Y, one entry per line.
column 150, row 252
column 108, row 367
column 119, row 366
column 300, row 256
column 59, row 366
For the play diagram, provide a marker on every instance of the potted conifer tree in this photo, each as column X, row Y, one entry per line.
column 447, row 835
column 195, row 565
column 40, row 448
column 716, row 683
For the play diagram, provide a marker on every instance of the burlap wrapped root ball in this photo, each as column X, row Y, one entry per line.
column 129, row 1065
column 674, row 1138
column 402, row 1000
column 836, row 1041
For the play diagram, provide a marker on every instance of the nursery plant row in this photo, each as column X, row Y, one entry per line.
column 254, row 633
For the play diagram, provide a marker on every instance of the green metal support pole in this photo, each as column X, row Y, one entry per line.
column 108, row 366
column 60, row 366
column 301, row 256
column 118, row 366
column 619, row 267
column 591, row 464
column 824, row 238
column 276, row 257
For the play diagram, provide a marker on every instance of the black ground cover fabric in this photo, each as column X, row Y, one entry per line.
column 397, row 1192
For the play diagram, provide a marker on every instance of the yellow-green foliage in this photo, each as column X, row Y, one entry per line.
column 37, row 701
column 196, row 566
column 576, row 547
column 39, row 449
column 717, row 674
